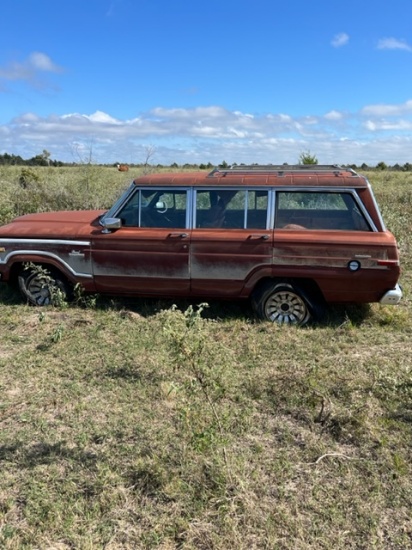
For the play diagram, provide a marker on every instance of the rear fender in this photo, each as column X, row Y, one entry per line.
column 306, row 288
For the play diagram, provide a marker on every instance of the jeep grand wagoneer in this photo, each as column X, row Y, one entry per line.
column 289, row 238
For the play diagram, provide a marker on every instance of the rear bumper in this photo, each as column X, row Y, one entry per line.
column 392, row 297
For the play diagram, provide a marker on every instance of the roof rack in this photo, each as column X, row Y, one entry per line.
column 281, row 169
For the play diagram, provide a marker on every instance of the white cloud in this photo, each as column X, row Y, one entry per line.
column 387, row 109
column 103, row 118
column 35, row 63
column 197, row 112
column 213, row 133
column 340, row 40
column 394, row 44
column 284, row 118
column 333, row 115
column 385, row 125
column 41, row 62
column 31, row 70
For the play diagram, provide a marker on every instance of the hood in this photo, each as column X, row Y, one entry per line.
column 51, row 225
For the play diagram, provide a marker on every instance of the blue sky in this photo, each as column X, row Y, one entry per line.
column 194, row 81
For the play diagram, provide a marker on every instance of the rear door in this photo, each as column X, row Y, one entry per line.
column 230, row 240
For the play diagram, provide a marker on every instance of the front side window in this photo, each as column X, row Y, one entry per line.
column 231, row 209
column 318, row 210
column 155, row 208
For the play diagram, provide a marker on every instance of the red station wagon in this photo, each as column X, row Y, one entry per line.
column 289, row 238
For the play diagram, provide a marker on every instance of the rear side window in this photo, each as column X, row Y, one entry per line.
column 231, row 209
column 318, row 210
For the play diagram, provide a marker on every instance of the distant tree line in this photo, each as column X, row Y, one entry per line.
column 44, row 159
column 38, row 160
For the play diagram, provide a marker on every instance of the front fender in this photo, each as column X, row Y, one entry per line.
column 73, row 265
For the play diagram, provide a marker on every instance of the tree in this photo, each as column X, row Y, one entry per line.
column 11, row 159
column 306, row 157
column 150, row 152
column 46, row 156
column 38, row 160
column 381, row 166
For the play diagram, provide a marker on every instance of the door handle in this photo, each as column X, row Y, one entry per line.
column 181, row 235
column 264, row 237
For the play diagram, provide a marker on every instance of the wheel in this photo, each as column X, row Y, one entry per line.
column 42, row 288
column 282, row 303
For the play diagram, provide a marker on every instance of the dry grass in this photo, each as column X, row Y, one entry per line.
column 137, row 425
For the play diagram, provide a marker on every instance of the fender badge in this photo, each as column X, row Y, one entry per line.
column 2, row 249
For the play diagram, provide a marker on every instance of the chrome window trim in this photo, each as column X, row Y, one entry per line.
column 245, row 209
column 114, row 209
column 191, row 193
column 270, row 221
column 167, row 189
column 335, row 190
column 190, row 211
column 375, row 202
column 243, row 188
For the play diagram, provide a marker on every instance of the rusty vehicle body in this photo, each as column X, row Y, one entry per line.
column 289, row 238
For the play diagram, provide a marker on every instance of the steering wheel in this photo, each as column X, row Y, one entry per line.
column 163, row 209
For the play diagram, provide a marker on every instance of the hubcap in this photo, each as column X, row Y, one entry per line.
column 286, row 307
column 40, row 292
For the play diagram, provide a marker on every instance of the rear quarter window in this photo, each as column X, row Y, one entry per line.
column 319, row 210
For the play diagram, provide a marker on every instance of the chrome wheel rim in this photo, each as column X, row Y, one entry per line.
column 286, row 307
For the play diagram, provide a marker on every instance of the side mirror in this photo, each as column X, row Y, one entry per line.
column 111, row 224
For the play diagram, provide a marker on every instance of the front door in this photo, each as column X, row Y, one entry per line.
column 149, row 254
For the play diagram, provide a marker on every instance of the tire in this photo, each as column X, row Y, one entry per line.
column 42, row 287
column 282, row 303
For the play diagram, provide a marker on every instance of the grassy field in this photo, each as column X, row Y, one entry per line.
column 131, row 424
